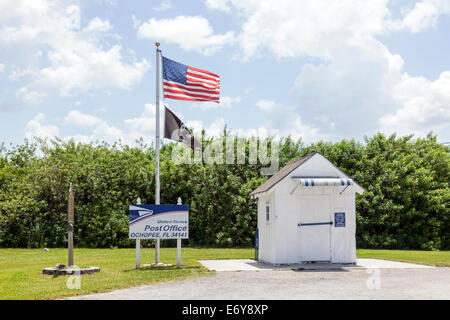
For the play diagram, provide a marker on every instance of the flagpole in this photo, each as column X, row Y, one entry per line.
column 157, row 190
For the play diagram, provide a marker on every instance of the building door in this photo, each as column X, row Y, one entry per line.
column 314, row 227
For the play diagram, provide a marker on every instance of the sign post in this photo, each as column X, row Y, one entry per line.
column 164, row 221
column 179, row 243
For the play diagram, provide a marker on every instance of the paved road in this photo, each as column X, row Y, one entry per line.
column 287, row 284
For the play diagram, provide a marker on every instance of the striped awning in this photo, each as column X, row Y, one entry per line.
column 323, row 182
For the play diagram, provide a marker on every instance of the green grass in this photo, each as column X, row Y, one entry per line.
column 433, row 258
column 21, row 269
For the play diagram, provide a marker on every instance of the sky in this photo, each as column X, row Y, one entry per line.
column 316, row 70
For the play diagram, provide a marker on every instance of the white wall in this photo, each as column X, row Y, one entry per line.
column 343, row 240
column 279, row 240
column 267, row 236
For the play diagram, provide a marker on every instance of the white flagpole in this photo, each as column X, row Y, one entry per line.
column 157, row 198
column 138, row 245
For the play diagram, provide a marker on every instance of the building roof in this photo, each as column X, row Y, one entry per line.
column 277, row 177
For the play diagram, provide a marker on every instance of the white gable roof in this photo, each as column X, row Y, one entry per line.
column 319, row 166
column 312, row 165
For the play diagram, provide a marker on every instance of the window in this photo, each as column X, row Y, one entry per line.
column 267, row 212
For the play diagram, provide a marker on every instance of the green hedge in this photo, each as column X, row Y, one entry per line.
column 406, row 204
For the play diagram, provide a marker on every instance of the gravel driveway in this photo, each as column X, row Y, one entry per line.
column 431, row 283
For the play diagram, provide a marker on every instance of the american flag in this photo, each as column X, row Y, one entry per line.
column 182, row 82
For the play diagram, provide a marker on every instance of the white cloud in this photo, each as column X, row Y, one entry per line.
column 163, row 6
column 17, row 74
column 228, row 101
column 74, row 59
column 109, row 133
column 286, row 120
column 98, row 25
column 425, row 106
column 189, row 32
column 77, row 118
column 355, row 86
column 290, row 28
column 267, row 105
column 86, row 68
column 351, row 91
column 424, row 15
column 128, row 131
column 36, row 128
column 363, row 89
column 215, row 129
column 136, row 21
column 225, row 102
column 73, row 17
column 2, row 67
column 220, row 5
column 144, row 125
column 282, row 121
column 30, row 96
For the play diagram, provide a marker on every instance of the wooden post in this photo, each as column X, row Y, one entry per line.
column 138, row 245
column 179, row 244
column 70, row 220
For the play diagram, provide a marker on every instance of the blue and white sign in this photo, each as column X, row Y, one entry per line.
column 163, row 221
column 339, row 219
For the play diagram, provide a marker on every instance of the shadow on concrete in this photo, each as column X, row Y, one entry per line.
column 320, row 270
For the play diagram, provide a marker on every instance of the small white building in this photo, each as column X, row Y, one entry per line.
column 306, row 212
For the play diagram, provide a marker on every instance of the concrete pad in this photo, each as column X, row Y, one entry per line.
column 69, row 271
column 239, row 265
column 252, row 265
column 388, row 264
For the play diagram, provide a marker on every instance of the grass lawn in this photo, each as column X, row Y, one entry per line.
column 21, row 269
column 433, row 258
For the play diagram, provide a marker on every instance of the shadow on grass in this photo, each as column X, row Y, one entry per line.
column 162, row 268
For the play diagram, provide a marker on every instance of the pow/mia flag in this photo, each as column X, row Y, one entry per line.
column 175, row 130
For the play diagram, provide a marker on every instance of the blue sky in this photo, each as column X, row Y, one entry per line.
column 313, row 69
